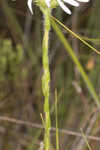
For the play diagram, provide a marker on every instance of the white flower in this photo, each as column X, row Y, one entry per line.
column 71, row 2
column 47, row 2
column 61, row 4
column 29, row 3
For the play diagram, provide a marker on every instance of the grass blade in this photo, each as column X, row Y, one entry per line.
column 76, row 61
column 77, row 36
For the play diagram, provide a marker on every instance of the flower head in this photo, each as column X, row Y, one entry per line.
column 60, row 3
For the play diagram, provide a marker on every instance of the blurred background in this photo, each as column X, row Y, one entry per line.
column 21, row 70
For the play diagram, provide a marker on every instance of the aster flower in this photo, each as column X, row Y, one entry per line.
column 60, row 3
column 70, row 2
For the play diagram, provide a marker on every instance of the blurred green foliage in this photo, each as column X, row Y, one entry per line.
column 11, row 59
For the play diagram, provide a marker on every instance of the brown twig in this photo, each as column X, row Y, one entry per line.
column 36, row 125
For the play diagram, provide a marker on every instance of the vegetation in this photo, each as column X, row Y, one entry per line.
column 74, row 104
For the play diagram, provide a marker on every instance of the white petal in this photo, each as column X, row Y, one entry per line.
column 29, row 3
column 66, row 9
column 83, row 1
column 47, row 2
column 72, row 2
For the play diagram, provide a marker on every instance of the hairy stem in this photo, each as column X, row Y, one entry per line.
column 46, row 78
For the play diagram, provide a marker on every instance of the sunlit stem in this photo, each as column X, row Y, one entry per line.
column 46, row 78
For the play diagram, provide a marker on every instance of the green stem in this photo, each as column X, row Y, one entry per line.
column 46, row 78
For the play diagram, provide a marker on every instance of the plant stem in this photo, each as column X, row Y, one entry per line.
column 46, row 78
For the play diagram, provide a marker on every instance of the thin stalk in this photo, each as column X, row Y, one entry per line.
column 46, row 79
column 76, row 61
column 85, row 139
column 56, row 113
column 76, row 35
